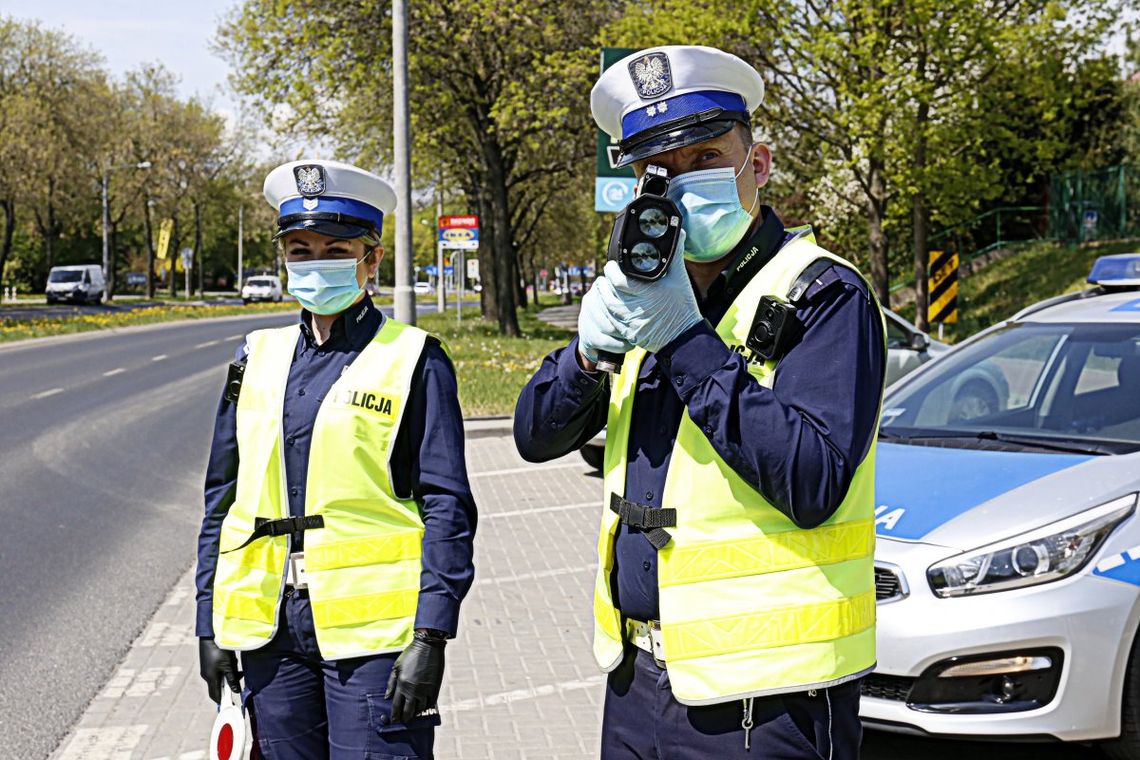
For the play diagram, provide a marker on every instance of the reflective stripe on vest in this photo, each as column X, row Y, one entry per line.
column 750, row 603
column 363, row 567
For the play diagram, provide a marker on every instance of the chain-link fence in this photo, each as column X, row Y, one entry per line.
column 1095, row 205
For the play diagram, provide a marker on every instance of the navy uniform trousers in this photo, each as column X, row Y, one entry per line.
column 299, row 699
column 643, row 721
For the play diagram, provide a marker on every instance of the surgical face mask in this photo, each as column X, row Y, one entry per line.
column 324, row 286
column 711, row 214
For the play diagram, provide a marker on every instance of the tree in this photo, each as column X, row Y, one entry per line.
column 498, row 98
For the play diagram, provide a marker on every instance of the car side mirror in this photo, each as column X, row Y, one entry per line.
column 919, row 341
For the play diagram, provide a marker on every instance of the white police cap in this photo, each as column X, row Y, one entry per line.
column 328, row 197
column 668, row 97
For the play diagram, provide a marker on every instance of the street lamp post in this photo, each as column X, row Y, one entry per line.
column 107, row 221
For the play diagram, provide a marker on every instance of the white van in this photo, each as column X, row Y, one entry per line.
column 262, row 288
column 79, row 283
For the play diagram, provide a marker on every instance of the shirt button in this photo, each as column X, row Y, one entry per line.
column 383, row 719
column 680, row 380
column 646, row 566
column 708, row 429
column 294, row 491
column 290, row 440
column 301, row 392
column 648, row 495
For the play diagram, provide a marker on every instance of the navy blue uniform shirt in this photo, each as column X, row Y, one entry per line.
column 798, row 442
column 427, row 463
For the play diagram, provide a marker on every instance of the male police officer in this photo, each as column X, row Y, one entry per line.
column 337, row 539
column 734, row 603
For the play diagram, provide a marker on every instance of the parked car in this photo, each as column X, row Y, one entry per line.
column 423, row 288
column 261, row 288
column 907, row 349
column 1007, row 566
column 80, row 283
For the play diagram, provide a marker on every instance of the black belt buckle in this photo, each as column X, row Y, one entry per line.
column 651, row 522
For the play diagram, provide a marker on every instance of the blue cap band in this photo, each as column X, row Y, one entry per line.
column 678, row 107
column 330, row 205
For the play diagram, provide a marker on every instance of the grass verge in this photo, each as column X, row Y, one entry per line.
column 492, row 369
column 1033, row 273
column 20, row 329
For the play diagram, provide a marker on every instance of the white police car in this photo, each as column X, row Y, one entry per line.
column 1008, row 560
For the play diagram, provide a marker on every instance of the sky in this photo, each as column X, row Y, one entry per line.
column 128, row 33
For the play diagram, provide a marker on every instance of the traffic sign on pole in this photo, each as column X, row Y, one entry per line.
column 613, row 185
column 943, row 288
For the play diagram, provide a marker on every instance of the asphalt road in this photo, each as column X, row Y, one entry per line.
column 103, row 442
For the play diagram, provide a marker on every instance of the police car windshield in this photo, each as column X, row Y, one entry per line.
column 1028, row 382
column 66, row 275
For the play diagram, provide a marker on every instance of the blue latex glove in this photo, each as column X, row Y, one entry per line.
column 597, row 329
column 650, row 314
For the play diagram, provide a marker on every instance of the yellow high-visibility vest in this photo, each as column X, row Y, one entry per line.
column 363, row 567
column 750, row 604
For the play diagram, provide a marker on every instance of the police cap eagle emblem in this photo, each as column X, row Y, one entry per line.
column 651, row 75
column 310, row 179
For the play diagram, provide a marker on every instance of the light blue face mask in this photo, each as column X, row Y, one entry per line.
column 711, row 214
column 324, row 286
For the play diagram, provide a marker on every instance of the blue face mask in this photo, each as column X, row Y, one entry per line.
column 711, row 214
column 324, row 286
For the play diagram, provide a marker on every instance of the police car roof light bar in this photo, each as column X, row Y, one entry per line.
column 1117, row 271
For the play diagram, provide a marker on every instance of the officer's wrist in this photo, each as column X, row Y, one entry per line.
column 430, row 635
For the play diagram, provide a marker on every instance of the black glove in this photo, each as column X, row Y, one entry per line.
column 417, row 675
column 217, row 664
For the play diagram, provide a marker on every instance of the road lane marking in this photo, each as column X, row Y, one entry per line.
column 158, row 358
column 540, row 510
column 534, row 576
column 115, row 371
column 208, row 343
column 45, row 394
column 235, row 337
column 532, row 468
column 517, row 695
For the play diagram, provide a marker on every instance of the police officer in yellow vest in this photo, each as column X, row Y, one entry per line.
column 734, row 606
column 337, row 541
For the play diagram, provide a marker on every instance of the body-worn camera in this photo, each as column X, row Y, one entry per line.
column 645, row 238
column 773, row 328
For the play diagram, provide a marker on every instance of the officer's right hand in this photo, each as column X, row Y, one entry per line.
column 597, row 328
column 217, row 665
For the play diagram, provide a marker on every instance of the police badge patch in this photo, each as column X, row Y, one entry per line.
column 310, row 179
column 651, row 75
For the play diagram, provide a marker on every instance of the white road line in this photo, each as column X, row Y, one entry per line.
column 532, row 468
column 533, row 576
column 158, row 358
column 208, row 343
column 45, row 394
column 115, row 371
column 534, row 692
column 540, row 510
column 235, row 337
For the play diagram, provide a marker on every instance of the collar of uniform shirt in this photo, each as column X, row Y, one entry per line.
column 757, row 250
column 355, row 326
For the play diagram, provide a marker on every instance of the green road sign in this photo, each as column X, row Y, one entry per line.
column 613, row 187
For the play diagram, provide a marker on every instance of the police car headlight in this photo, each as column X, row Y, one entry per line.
column 1040, row 556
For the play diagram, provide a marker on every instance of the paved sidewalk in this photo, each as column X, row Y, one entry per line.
column 562, row 316
column 521, row 682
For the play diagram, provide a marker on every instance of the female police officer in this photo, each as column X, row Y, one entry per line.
column 734, row 603
column 337, row 540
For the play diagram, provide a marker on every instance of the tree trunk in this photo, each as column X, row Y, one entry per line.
column 919, row 215
column 198, row 249
column 112, row 280
column 149, row 230
column 9, row 208
column 876, row 237
column 502, row 253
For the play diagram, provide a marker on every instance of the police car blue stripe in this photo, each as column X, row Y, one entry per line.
column 651, row 114
column 920, row 488
column 326, row 204
column 1130, row 306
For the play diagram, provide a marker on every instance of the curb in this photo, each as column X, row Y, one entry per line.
column 487, row 427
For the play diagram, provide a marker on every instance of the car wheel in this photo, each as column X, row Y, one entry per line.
column 593, row 454
column 974, row 400
column 1127, row 745
column 278, row 298
column 245, row 302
